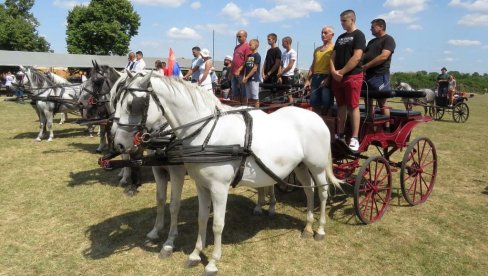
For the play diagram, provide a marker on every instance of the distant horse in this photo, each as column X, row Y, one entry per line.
column 289, row 139
column 50, row 98
column 424, row 101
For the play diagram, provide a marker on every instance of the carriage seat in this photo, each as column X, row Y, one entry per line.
column 404, row 113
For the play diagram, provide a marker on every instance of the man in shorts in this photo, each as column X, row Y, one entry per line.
column 347, row 75
column 241, row 51
column 376, row 64
column 251, row 73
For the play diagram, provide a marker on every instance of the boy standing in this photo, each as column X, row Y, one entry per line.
column 251, row 73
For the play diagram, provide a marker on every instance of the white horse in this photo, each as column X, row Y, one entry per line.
column 424, row 101
column 290, row 139
column 64, row 98
column 124, row 143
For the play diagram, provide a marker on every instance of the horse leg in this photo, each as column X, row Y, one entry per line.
column 177, row 178
column 125, row 172
column 161, row 179
column 301, row 171
column 102, row 143
column 219, row 199
column 42, row 126
column 64, row 116
column 204, row 201
column 321, row 180
column 258, row 210
column 272, row 201
column 49, row 124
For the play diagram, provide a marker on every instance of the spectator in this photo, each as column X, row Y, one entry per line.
column 251, row 77
column 140, row 64
column 297, row 77
column 83, row 76
column 213, row 78
column 377, row 60
column 241, row 51
column 288, row 63
column 160, row 65
column 347, row 74
column 272, row 61
column 225, row 78
column 19, row 93
column 194, row 72
column 204, row 78
column 451, row 89
column 318, row 77
column 442, row 83
column 132, row 61
column 9, row 78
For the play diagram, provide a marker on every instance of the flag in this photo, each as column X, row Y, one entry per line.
column 168, row 71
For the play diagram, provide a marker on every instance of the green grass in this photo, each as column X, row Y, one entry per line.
column 61, row 214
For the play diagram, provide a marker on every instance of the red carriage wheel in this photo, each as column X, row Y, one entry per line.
column 418, row 170
column 460, row 113
column 372, row 189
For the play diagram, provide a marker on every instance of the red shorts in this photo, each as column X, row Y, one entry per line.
column 348, row 91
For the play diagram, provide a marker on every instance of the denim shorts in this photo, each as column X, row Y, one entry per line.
column 320, row 96
column 238, row 89
column 378, row 83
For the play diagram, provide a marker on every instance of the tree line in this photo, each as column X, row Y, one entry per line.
column 471, row 83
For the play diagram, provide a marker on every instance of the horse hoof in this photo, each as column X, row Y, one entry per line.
column 271, row 213
column 319, row 237
column 257, row 212
column 131, row 192
column 165, row 253
column 37, row 139
column 153, row 235
column 98, row 151
column 192, row 263
column 307, row 235
column 210, row 270
column 50, row 140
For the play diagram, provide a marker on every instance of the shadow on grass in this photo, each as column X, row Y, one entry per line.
column 104, row 177
column 128, row 231
column 485, row 191
column 58, row 133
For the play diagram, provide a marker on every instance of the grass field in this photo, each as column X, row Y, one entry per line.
column 63, row 215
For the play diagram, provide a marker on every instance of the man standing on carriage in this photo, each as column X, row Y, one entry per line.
column 376, row 64
column 347, row 75
column 442, row 83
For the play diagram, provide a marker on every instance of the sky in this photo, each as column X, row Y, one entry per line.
column 429, row 34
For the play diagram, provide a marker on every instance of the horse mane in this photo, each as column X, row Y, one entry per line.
column 38, row 78
column 178, row 85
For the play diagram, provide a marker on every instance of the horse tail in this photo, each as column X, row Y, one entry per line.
column 330, row 173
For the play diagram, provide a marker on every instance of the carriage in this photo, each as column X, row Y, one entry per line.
column 459, row 108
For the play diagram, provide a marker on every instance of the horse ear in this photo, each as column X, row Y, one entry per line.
column 129, row 73
column 93, row 63
column 22, row 68
column 146, row 80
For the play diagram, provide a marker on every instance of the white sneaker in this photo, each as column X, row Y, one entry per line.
column 354, row 144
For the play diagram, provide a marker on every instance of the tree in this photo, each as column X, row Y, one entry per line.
column 101, row 27
column 18, row 28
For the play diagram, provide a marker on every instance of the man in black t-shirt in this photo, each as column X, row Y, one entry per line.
column 376, row 63
column 225, row 82
column 272, row 61
column 347, row 75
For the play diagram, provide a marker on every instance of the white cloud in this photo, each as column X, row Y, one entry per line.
column 447, row 52
column 415, row 27
column 285, row 10
column 68, row 4
column 233, row 12
column 184, row 33
column 195, row 5
column 218, row 28
column 403, row 11
column 461, row 42
column 476, row 19
column 167, row 3
column 150, row 44
column 477, row 5
column 408, row 50
column 448, row 59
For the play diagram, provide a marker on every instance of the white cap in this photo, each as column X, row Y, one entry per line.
column 205, row 53
column 228, row 57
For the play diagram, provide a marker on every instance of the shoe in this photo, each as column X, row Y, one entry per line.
column 354, row 144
